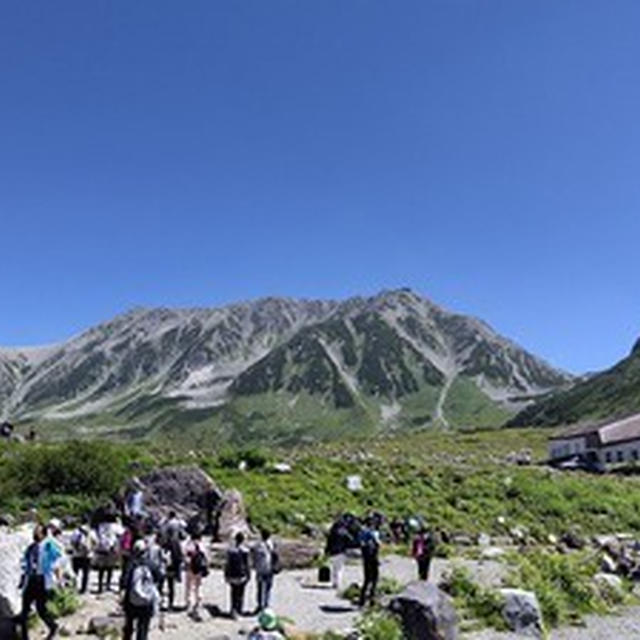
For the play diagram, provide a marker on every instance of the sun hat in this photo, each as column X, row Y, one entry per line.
column 55, row 525
column 268, row 620
column 140, row 546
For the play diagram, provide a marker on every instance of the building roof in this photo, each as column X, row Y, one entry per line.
column 576, row 431
column 620, row 430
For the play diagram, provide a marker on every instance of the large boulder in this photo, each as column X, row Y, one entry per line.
column 426, row 612
column 180, row 489
column 232, row 518
column 521, row 611
column 12, row 547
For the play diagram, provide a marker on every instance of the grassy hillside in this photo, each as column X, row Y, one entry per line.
column 458, row 482
column 615, row 392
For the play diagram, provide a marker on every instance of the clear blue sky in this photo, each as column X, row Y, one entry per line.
column 484, row 152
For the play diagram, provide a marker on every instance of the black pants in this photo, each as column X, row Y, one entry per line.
column 237, row 598
column 81, row 566
column 140, row 617
column 35, row 592
column 371, row 573
column 105, row 574
column 424, row 563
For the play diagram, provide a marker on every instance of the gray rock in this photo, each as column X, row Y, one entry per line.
column 608, row 584
column 521, row 612
column 12, row 547
column 484, row 540
column 233, row 515
column 492, row 553
column 105, row 627
column 7, row 520
column 180, row 489
column 426, row 612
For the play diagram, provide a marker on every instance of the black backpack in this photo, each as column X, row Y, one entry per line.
column 199, row 564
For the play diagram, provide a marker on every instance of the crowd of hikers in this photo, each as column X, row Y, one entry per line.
column 153, row 556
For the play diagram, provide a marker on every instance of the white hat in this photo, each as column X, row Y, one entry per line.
column 55, row 524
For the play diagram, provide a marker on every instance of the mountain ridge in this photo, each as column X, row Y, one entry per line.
column 371, row 357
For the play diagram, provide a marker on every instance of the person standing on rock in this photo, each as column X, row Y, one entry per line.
column 141, row 599
column 369, row 540
column 197, row 569
column 237, row 573
column 422, row 551
column 38, row 565
column 266, row 564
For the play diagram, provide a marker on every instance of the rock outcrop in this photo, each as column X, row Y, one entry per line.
column 185, row 490
column 12, row 546
column 522, row 613
column 427, row 613
column 233, row 516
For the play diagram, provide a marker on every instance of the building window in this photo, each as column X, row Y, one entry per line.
column 634, row 454
column 620, row 456
column 607, row 456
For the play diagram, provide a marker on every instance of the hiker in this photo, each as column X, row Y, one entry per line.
column 156, row 558
column 369, row 540
column 81, row 545
column 37, row 580
column 106, row 553
column 197, row 569
column 61, row 567
column 237, row 573
column 266, row 564
column 141, row 600
column 173, row 533
column 134, row 501
column 422, row 551
column 398, row 531
column 338, row 541
column 269, row 627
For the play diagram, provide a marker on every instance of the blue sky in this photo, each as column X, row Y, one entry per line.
column 484, row 153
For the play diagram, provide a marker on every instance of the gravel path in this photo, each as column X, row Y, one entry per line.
column 315, row 608
column 296, row 596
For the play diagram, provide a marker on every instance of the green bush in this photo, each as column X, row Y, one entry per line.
column 379, row 625
column 63, row 602
column 253, row 457
column 475, row 602
column 76, row 468
column 563, row 584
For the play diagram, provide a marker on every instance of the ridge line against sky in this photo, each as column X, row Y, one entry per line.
column 484, row 153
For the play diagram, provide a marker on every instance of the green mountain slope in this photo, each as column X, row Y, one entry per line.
column 612, row 393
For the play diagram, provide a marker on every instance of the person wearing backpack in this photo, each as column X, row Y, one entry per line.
column 106, row 553
column 141, row 599
column 370, row 547
column 422, row 551
column 338, row 542
column 81, row 543
column 197, row 569
column 37, row 580
column 173, row 533
column 266, row 563
column 237, row 573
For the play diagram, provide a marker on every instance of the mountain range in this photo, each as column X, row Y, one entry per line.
column 275, row 369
